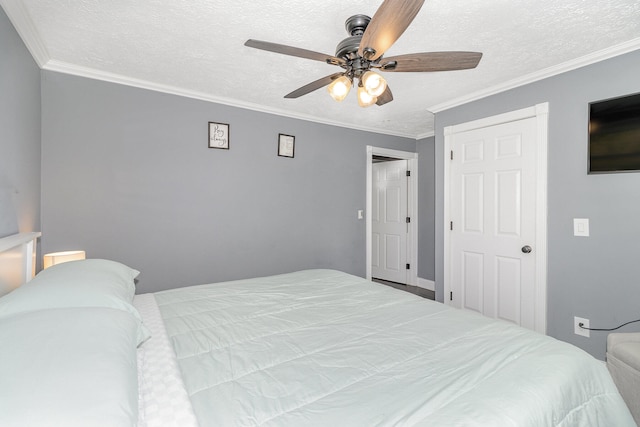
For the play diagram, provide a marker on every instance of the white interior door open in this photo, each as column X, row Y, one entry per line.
column 389, row 221
column 496, row 253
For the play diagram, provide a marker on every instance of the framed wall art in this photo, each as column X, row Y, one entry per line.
column 218, row 135
column 286, row 145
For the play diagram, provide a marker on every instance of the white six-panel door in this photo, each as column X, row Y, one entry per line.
column 493, row 221
column 388, row 220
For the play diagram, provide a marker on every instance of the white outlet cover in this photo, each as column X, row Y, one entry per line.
column 581, row 227
column 578, row 330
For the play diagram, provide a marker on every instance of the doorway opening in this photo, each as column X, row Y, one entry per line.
column 395, row 251
column 416, row 290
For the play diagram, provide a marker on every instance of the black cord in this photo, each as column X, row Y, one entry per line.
column 612, row 329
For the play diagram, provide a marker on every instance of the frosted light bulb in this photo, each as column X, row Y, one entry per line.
column 339, row 88
column 374, row 83
column 364, row 99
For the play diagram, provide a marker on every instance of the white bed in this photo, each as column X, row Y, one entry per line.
column 312, row 348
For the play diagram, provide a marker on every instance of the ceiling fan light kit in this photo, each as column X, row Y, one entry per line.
column 363, row 49
column 370, row 87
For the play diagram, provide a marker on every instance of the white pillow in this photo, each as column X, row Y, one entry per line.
column 86, row 283
column 69, row 367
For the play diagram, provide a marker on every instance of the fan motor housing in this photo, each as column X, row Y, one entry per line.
column 355, row 26
column 348, row 48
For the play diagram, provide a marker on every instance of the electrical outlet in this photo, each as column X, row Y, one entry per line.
column 578, row 330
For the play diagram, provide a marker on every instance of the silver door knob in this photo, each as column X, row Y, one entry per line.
column 526, row 249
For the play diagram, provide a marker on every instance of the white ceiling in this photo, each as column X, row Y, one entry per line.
column 195, row 48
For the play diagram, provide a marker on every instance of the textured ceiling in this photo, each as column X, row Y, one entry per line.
column 196, row 47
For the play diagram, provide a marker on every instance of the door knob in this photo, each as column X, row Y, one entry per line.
column 526, row 249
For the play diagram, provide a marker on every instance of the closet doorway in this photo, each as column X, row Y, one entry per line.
column 392, row 220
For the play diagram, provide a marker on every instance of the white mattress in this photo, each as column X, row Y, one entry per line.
column 323, row 348
column 163, row 400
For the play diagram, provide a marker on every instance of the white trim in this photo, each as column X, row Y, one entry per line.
column 21, row 20
column 426, row 284
column 27, row 242
column 367, row 215
column 27, row 30
column 14, row 240
column 91, row 73
column 448, row 134
column 541, row 113
column 425, row 135
column 498, row 119
column 582, row 61
column 29, row 34
column 412, row 252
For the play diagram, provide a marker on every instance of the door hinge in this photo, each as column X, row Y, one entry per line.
column 450, row 296
column 408, row 220
column 408, row 173
column 408, row 266
column 451, row 225
column 451, row 154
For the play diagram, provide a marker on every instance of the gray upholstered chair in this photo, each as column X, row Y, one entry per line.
column 623, row 361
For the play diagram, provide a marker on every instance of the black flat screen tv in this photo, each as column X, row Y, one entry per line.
column 614, row 135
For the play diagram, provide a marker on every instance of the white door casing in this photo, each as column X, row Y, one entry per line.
column 412, row 238
column 495, row 198
column 388, row 220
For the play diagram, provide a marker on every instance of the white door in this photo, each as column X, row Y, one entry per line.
column 493, row 221
column 389, row 221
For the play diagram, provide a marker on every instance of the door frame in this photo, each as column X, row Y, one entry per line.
column 412, row 209
column 541, row 113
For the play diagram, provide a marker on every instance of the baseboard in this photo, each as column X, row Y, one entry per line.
column 426, row 284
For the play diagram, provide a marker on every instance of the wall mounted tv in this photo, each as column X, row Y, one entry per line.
column 614, row 135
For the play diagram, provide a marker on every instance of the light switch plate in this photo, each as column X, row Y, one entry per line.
column 581, row 227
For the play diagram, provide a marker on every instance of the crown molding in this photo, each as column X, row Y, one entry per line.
column 67, row 68
column 425, row 135
column 22, row 22
column 25, row 27
column 580, row 62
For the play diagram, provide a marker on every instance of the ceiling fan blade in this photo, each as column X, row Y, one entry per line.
column 387, row 25
column 386, row 96
column 293, row 51
column 308, row 88
column 432, row 61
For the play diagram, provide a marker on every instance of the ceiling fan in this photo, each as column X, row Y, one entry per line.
column 362, row 52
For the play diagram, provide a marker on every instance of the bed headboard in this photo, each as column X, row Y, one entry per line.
column 17, row 260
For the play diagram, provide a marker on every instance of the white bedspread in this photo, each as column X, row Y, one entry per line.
column 323, row 348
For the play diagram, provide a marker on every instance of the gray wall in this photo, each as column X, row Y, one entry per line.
column 127, row 175
column 426, row 208
column 19, row 134
column 596, row 277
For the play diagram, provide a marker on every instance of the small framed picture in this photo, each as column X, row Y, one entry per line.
column 286, row 145
column 219, row 135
